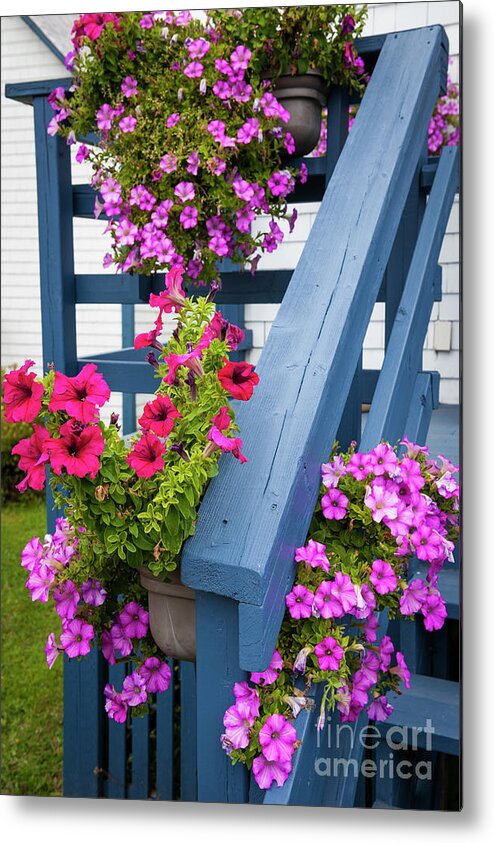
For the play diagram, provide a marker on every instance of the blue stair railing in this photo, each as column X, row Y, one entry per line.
column 376, row 238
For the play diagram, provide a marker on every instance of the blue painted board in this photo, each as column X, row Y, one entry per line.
column 139, row 784
column 188, row 732
column 165, row 741
column 389, row 408
column 83, row 728
column 115, row 785
column 244, row 545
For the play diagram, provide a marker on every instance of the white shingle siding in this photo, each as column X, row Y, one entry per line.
column 25, row 57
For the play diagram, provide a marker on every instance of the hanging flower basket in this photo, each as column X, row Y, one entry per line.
column 304, row 96
column 172, row 618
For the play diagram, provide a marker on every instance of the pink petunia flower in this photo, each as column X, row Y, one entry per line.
column 52, row 650
column 75, row 638
column 134, row 689
column 277, row 738
column 156, row 674
column 326, row 601
column 334, row 504
column 329, row 653
column 147, row 455
column 33, row 453
column 379, row 709
column 299, row 602
column 270, row 675
column 80, row 396
column 159, row 416
column 22, row 394
column 266, row 772
column 238, row 720
column 383, row 578
column 313, row 555
column 77, row 450
column 66, row 599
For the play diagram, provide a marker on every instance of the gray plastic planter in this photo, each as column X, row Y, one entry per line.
column 304, row 96
column 172, row 615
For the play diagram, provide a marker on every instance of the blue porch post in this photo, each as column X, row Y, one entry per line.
column 83, row 683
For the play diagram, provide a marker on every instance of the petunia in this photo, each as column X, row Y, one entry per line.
column 326, row 601
column 147, row 455
column 189, row 216
column 244, row 693
column 134, row 620
column 277, row 738
column 191, row 360
column 334, row 504
column 383, row 460
column 33, row 453
column 115, row 706
column 134, row 689
column 194, row 69
column 383, row 578
column 270, row 675
column 77, row 450
column 414, row 597
column 266, row 772
column 386, row 649
column 329, row 653
column 226, row 444
column 332, row 471
column 299, row 602
column 75, row 638
column 172, row 297
column 22, row 394
column 39, row 583
column 434, row 612
column 313, row 555
column 156, row 675
column 66, row 599
column 382, row 500
column 129, row 86
column 120, row 640
column 32, row 554
column 52, row 650
column 401, row 669
column 93, row 592
column 159, row 416
column 239, row 379
column 238, row 720
column 379, row 709
column 359, row 466
column 344, row 590
column 80, row 396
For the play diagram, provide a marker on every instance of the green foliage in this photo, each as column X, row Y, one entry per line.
column 294, row 39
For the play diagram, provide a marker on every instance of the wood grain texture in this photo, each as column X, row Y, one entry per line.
column 244, row 544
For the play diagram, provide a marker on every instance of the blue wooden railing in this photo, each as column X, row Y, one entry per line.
column 377, row 236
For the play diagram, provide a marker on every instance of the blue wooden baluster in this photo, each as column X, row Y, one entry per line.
column 115, row 785
column 188, row 732
column 217, row 670
column 129, row 423
column 139, row 786
column 165, row 740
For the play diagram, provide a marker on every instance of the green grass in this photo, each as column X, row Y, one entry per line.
column 32, row 695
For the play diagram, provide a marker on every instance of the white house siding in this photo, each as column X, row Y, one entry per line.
column 25, row 57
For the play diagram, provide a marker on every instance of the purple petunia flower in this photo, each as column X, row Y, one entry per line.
column 382, row 500
column 329, row 653
column 413, row 597
column 173, row 120
column 359, row 465
column 332, row 471
column 386, row 649
column 238, row 721
column 184, row 191
column 194, row 70
column 39, row 583
column 168, row 163
column 383, row 578
column 266, row 772
column 188, row 216
column 244, row 693
column 379, row 709
column 313, row 554
column 51, row 650
column 134, row 620
column 129, row 87
column 277, row 738
column 134, row 689
column 93, row 592
column 434, row 612
column 270, row 675
column 299, row 602
column 156, row 675
column 66, row 599
column 327, row 602
column 75, row 638
column 334, row 504
column 32, row 554
column 115, row 706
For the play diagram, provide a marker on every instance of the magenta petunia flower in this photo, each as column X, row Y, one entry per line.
column 184, row 191
column 413, row 597
column 366, row 601
column 334, row 504
column 129, row 87
column 238, row 720
column 22, row 394
column 383, row 578
column 401, row 669
column 194, row 70
column 198, row 48
column 33, row 453
column 344, row 589
column 313, row 554
column 428, row 543
column 156, row 674
column 386, row 649
column 134, row 620
column 189, row 216
column 332, row 471
column 66, row 599
column 32, row 554
column 277, row 738
column 381, row 500
column 370, row 628
column 266, row 772
column 115, row 706
column 434, row 612
column 244, row 693
column 270, row 675
column 52, row 650
column 75, row 638
column 240, row 58
column 159, row 416
column 107, row 646
column 128, row 124
column 76, row 450
column 384, row 460
column 80, row 396
column 169, row 163
column 120, row 640
column 379, row 709
column 280, row 184
column 299, row 602
column 147, row 455
column 93, row 592
column 411, row 474
column 329, row 653
column 327, row 602
column 39, row 583
column 134, row 689
column 104, row 117
column 193, row 162
column 359, row 465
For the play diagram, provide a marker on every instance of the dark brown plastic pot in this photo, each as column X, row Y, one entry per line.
column 304, row 96
column 172, row 614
